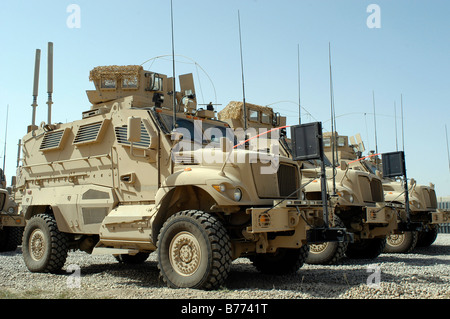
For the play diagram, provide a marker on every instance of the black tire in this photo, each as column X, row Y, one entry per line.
column 427, row 238
column 366, row 248
column 194, row 251
column 284, row 261
column 44, row 247
column 401, row 243
column 10, row 238
column 139, row 258
column 328, row 253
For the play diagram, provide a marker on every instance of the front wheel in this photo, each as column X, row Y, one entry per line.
column 328, row 253
column 401, row 243
column 44, row 247
column 194, row 251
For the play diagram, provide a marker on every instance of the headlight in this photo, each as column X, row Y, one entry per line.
column 303, row 196
column 351, row 198
column 237, row 194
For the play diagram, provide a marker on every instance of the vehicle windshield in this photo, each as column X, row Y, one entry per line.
column 197, row 131
column 369, row 166
column 317, row 162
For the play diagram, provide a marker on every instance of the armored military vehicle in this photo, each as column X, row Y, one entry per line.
column 11, row 223
column 145, row 170
column 356, row 197
column 422, row 205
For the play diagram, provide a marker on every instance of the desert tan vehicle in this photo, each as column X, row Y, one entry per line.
column 422, row 207
column 358, row 201
column 142, row 172
column 358, row 205
column 11, row 223
column 420, row 226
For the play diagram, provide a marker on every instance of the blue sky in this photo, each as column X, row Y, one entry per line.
column 408, row 55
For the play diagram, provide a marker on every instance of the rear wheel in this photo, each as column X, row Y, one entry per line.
column 194, row 251
column 44, row 247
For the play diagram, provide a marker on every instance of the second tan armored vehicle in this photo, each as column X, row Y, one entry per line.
column 11, row 223
column 357, row 202
column 140, row 172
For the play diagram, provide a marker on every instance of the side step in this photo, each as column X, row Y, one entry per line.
column 113, row 251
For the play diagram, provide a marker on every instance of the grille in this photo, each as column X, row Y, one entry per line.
column 433, row 199
column 371, row 189
column 376, row 188
column 364, row 186
column 281, row 184
column 121, row 136
column 287, row 180
column 430, row 198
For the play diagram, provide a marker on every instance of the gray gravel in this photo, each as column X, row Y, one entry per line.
column 423, row 274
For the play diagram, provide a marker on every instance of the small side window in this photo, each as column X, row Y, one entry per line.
column 130, row 83
column 265, row 118
column 253, row 115
column 108, row 83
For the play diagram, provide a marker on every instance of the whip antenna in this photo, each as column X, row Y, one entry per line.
column 242, row 73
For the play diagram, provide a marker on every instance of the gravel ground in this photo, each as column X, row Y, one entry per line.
column 423, row 274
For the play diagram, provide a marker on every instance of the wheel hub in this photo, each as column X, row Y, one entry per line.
column 396, row 239
column 185, row 253
column 37, row 244
column 317, row 248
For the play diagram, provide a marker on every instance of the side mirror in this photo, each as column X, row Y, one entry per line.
column 134, row 129
column 344, row 165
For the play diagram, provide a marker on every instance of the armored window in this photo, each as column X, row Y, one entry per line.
column 130, row 83
column 108, row 83
column 326, row 142
column 253, row 115
column 341, row 141
column 265, row 118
